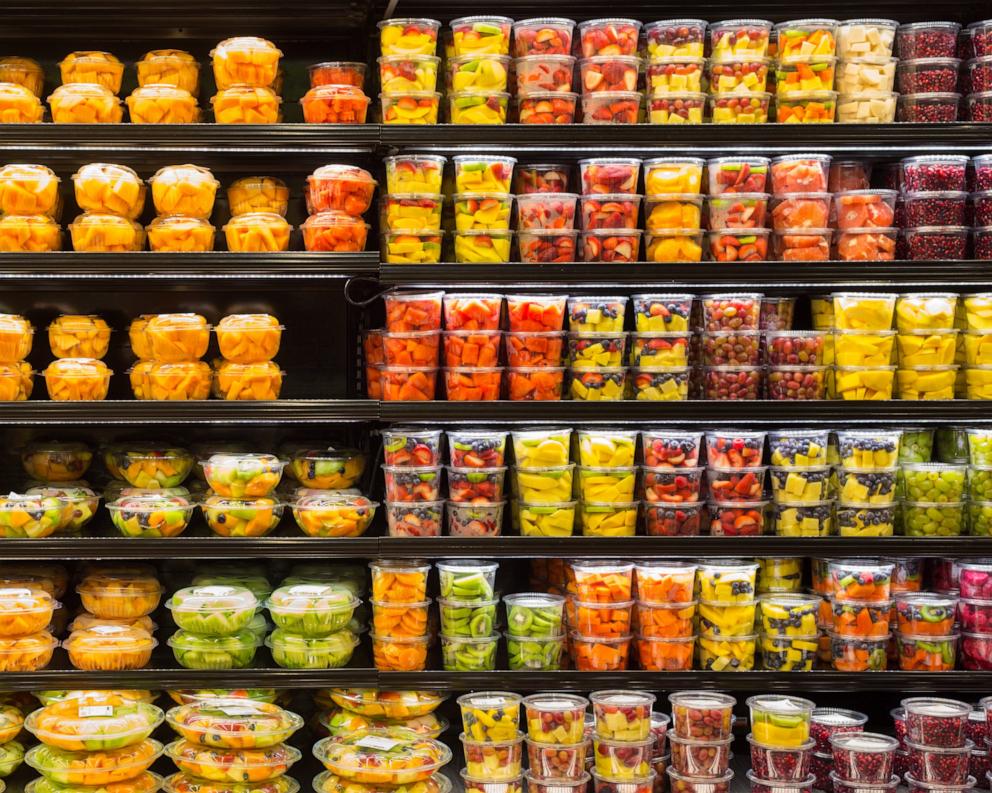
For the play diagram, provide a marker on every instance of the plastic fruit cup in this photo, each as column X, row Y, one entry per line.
column 555, row 718
column 927, row 40
column 661, row 383
column 726, row 581
column 481, row 35
column 788, row 654
column 481, row 73
column 609, row 37
column 865, row 75
column 780, row 764
column 600, row 655
column 933, row 172
column 731, row 311
column 700, row 758
column 337, row 73
column 944, row 765
column 779, row 574
column 542, row 179
column 927, row 653
column 410, row 212
column 665, row 582
column 925, row 614
column 547, row 211
column 726, row 654
column 608, row 73
column 608, row 518
column 748, row 75
column 805, row 73
column 732, row 382
column 19, row 105
column 726, row 618
column 679, row 75
column 421, row 519
column 412, row 247
column 609, row 175
column 852, row 654
column 556, row 763
column 809, row 519
column 490, row 716
column 475, row 520
column 542, row 36
column 702, row 715
column 734, row 38
column 410, row 107
column 739, row 109
column 610, row 211
column 483, row 174
column 414, row 174
column 546, row 107
column 739, row 211
column 863, row 757
column 929, row 108
column 663, row 520
column 860, row 37
column 478, row 107
column 866, row 520
column 82, row 103
column 162, row 104
column 673, row 176
column 826, row 722
column 801, row 485
column 539, row 383
column 673, row 212
column 402, row 73
column 660, row 349
column 623, row 759
column 408, row 36
column 611, row 107
column 675, row 245
column 675, row 38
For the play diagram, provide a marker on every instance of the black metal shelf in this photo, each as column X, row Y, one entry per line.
column 221, row 269
column 136, row 412
column 862, row 140
column 771, row 276
column 695, row 412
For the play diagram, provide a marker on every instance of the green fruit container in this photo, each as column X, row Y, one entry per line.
column 980, row 482
column 71, row 768
column 194, row 651
column 242, row 517
column 257, row 584
column 459, row 654
column 934, row 482
column 212, row 610
column 467, row 619
column 467, row 580
column 241, row 475
column 539, row 655
column 916, row 445
column 11, row 757
column 534, row 615
column 81, row 504
column 96, row 721
column 980, row 445
column 934, row 519
column 312, row 609
column 293, row 651
column 980, row 518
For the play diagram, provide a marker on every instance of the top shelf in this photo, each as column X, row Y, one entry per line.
column 143, row 141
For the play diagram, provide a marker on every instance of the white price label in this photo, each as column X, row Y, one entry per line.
column 377, row 742
column 92, row 711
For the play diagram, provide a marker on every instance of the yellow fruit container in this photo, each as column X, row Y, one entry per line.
column 79, row 336
column 84, row 103
column 249, row 338
column 667, row 176
column 925, row 311
column 482, row 246
column 140, row 345
column 408, row 36
column 926, row 382
column 245, row 104
column 16, row 381
column 478, row 107
column 551, row 484
column 138, row 377
column 77, row 379
column 978, row 311
column 245, row 60
column 864, row 382
column 169, row 67
column 675, row 245
column 109, row 189
column 258, row 194
column 184, row 190
column 18, row 105
column 863, row 311
column 608, row 519
column 977, row 347
column 857, row 348
column 162, row 104
column 29, row 234
column 180, row 234
column 671, row 212
column 607, row 484
column 23, row 71
column 978, row 380
column 411, row 247
column 185, row 380
column 16, row 336
column 926, row 348
column 28, row 190
column 93, row 232
column 257, row 232
column 822, row 307
column 247, row 381
column 93, row 67
column 176, row 337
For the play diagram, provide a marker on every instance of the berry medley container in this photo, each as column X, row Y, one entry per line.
column 927, row 40
column 936, row 722
column 863, row 757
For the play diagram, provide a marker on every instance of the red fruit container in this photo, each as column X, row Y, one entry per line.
column 826, row 722
column 610, row 211
column 611, row 107
column 737, row 175
column 800, row 173
column 936, row 722
column 556, row 762
column 416, row 348
column 406, row 483
column 684, row 108
column 863, row 756
column 737, row 518
column 536, row 313
column 609, row 175
column 408, row 384
column 412, row 311
column 665, row 655
column 975, row 615
column 534, row 349
column 943, row 765
column 866, row 245
column 795, row 347
column 704, row 715
column 471, row 348
column 342, row 187
column 914, row 785
column 415, row 520
column 731, row 348
column 542, row 36
column 611, row 245
column 927, row 40
column 547, row 245
column 729, row 311
column 700, row 758
column 802, row 245
column 675, row 38
column 547, row 108
column 334, row 232
column 862, row 209
column 335, row 104
column 608, row 73
column 844, row 786
column 546, row 211
column 472, row 312
column 473, row 384
column 781, row 764
column 672, row 486
column 535, row 384
column 739, row 245
column 337, row 73
column 609, row 37
column 796, row 382
column 803, row 210
column 738, row 211
column 673, row 520
column 541, row 179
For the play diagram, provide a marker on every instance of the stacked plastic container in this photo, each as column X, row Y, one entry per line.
column 476, row 478
column 780, row 742
column 863, row 346
column 975, row 44
column 671, row 466
column 16, row 374
column 934, row 198
column 413, row 481
column 542, row 481
column 862, row 759
column 30, row 208
column 599, row 615
column 112, row 197
column 608, row 71
column 981, row 201
column 492, row 742
column 934, row 496
column 866, row 71
column 737, row 209
column 736, row 483
column 927, row 75
column 337, row 197
column 20, row 95
column 675, row 70
column 939, row 751
column 824, row 724
column 609, row 207
column 169, row 348
column 468, row 607
column 738, row 71
column 246, row 371
column 976, row 614
column 408, row 71
column 673, row 209
column 661, row 347
column 802, row 503
column 597, row 348
column 925, row 635
column 544, row 66
column 700, row 738
column 123, row 752
column 665, row 615
column 732, row 314
column 91, row 82
column 247, row 74
column 184, row 199
column 213, row 627
column 976, row 327
column 78, row 344
column 727, row 608
column 410, row 212
column 337, row 93
column 232, row 737
column 867, row 482
column 478, row 70
column 313, row 629
column 556, row 748
column 168, row 85
column 804, row 71
column 623, row 744
column 399, row 606
column 472, row 339
column 535, row 635
column 546, row 213
column 409, row 313
column 860, row 597
column 482, row 206
column 789, row 638
column 801, row 207
column 864, row 218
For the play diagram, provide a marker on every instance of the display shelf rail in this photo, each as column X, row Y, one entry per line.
column 695, row 412
column 225, row 270
column 136, row 412
column 771, row 276
column 290, row 543
column 166, row 675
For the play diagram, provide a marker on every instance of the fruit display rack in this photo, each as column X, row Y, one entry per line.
column 310, row 292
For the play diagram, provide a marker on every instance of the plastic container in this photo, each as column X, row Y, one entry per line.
column 162, row 104
column 98, row 233
column 242, row 517
column 927, row 40
column 542, row 36
column 608, row 37
column 735, row 109
column 184, row 190
column 85, row 103
column 109, row 648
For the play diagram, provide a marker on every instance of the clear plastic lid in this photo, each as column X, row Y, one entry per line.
column 242, row 45
column 350, row 173
column 182, row 783
column 215, row 722
column 377, row 703
column 212, row 598
column 178, row 222
column 95, row 717
column 250, row 763
column 382, row 755
column 304, row 598
column 109, row 638
column 56, row 763
column 183, row 174
column 250, row 219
